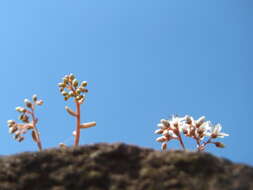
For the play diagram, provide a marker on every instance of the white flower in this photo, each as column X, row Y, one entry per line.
column 200, row 121
column 161, row 126
column 169, row 133
column 177, row 122
column 206, row 127
column 216, row 131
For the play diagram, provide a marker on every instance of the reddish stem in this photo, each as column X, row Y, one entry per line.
column 180, row 139
column 34, row 122
column 78, row 121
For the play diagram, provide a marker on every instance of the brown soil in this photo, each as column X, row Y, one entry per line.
column 121, row 167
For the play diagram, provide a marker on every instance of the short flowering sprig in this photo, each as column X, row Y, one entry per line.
column 70, row 88
column 19, row 129
column 196, row 129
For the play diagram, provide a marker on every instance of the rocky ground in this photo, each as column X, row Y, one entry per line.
column 121, row 167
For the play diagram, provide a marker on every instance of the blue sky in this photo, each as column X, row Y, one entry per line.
column 144, row 60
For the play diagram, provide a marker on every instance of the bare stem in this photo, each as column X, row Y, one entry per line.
column 202, row 146
column 78, row 121
column 180, row 140
column 34, row 122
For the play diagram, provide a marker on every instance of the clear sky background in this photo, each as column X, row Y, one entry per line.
column 144, row 60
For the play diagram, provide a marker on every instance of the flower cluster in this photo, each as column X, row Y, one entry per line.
column 73, row 90
column 29, row 121
column 196, row 129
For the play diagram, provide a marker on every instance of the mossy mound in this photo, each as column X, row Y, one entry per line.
column 121, row 167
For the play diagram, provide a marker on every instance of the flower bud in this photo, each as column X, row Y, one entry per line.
column 161, row 126
column 74, row 133
column 188, row 119
column 62, row 85
column 65, row 81
column 24, row 118
column 81, row 101
column 71, row 76
column 71, row 94
column 64, row 93
column 219, row 145
column 13, row 129
column 34, row 98
column 78, row 91
column 84, row 84
column 17, row 134
column 159, row 131
column 11, row 123
column 21, row 109
column 39, row 102
column 20, row 139
column 75, row 83
column 165, row 122
column 78, row 98
column 161, row 139
column 84, row 90
column 214, row 136
column 28, row 103
column 200, row 121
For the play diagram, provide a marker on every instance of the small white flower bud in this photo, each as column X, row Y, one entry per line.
column 20, row 109
column 39, row 102
column 158, row 131
column 34, row 97
column 161, row 139
column 12, row 130
column 11, row 123
column 161, row 126
column 74, row 133
column 28, row 103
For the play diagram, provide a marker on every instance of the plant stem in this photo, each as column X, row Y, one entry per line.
column 36, row 130
column 78, row 121
column 180, row 140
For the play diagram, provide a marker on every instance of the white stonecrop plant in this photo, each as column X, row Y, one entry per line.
column 199, row 130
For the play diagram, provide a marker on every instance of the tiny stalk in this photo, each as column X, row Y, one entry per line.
column 19, row 129
column 70, row 88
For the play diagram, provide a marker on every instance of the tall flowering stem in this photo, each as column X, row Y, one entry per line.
column 197, row 129
column 181, row 140
column 19, row 129
column 35, row 129
column 78, row 123
column 70, row 88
